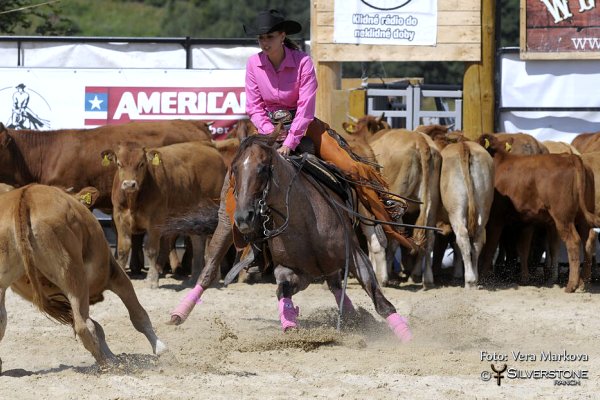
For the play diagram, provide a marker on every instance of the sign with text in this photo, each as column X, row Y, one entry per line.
column 385, row 22
column 560, row 29
column 54, row 98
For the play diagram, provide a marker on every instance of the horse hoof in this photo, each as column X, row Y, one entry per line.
column 175, row 320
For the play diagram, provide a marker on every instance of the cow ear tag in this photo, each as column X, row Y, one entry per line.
column 105, row 161
column 155, row 160
column 86, row 198
column 486, row 143
column 507, row 147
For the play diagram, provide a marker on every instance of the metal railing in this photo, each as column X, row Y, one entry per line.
column 402, row 104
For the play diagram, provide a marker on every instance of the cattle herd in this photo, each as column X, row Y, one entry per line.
column 495, row 199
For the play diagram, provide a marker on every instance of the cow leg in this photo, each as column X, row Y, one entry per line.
column 121, row 285
column 124, row 246
column 477, row 247
column 377, row 254
column 89, row 331
column 152, row 248
column 551, row 264
column 288, row 284
column 569, row 236
column 3, row 318
column 493, row 231
column 136, row 259
column 198, row 250
column 523, row 247
column 428, row 282
column 366, row 277
column 439, row 248
column 587, row 236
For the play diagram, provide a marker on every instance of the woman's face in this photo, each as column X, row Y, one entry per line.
column 271, row 42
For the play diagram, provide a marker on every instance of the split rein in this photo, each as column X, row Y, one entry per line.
column 264, row 210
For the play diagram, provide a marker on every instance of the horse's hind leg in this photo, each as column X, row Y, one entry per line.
column 121, row 285
column 288, row 284
column 366, row 278
column 334, row 282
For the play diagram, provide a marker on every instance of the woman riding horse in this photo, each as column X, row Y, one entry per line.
column 281, row 88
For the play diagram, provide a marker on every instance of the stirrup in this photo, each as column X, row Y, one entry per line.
column 396, row 207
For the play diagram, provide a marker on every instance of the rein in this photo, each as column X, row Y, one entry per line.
column 264, row 209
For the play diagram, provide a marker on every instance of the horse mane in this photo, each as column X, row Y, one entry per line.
column 264, row 141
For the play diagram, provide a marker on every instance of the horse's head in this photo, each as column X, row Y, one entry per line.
column 251, row 171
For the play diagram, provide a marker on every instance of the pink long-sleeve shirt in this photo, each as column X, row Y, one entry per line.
column 293, row 86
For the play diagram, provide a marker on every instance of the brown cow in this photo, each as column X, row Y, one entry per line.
column 529, row 184
column 555, row 147
column 54, row 254
column 152, row 185
column 242, row 129
column 67, row 157
column 587, row 142
column 411, row 165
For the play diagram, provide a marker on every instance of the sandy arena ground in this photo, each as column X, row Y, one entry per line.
column 231, row 347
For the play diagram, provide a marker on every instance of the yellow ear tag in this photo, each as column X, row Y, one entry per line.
column 105, row 161
column 86, row 198
column 155, row 160
column 486, row 143
column 507, row 147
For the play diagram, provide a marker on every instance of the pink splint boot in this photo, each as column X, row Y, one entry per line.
column 348, row 306
column 186, row 305
column 288, row 314
column 400, row 327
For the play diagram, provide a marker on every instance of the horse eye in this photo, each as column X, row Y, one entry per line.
column 263, row 169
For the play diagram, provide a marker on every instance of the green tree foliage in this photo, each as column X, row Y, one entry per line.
column 225, row 18
column 47, row 19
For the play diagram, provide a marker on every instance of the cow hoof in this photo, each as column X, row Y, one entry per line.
column 570, row 289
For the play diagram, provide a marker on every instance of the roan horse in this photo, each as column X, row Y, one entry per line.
column 308, row 237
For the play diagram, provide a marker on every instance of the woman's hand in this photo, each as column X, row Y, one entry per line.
column 284, row 150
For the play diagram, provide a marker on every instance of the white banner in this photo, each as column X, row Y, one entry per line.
column 550, row 83
column 56, row 98
column 385, row 22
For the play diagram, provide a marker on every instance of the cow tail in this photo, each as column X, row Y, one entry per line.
column 590, row 217
column 57, row 307
column 465, row 161
column 419, row 235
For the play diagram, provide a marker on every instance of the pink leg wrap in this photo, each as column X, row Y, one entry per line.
column 288, row 314
column 400, row 327
column 348, row 306
column 186, row 305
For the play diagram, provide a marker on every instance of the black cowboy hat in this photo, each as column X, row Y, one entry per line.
column 272, row 21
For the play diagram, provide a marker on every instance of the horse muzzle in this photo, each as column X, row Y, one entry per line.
column 245, row 220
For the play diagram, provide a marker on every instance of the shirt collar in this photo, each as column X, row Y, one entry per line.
column 288, row 61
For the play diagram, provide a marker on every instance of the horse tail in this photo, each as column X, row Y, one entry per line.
column 465, row 161
column 57, row 306
column 202, row 220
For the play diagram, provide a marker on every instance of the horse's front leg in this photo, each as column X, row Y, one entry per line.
column 365, row 276
column 288, row 284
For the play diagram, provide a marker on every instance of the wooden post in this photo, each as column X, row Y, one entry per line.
column 478, row 81
column 329, row 78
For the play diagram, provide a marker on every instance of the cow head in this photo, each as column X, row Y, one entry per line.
column 494, row 145
column 365, row 126
column 131, row 161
